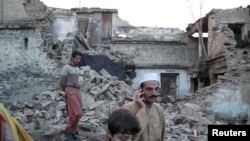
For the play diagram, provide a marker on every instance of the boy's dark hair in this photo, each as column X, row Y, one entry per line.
column 76, row 53
column 124, row 122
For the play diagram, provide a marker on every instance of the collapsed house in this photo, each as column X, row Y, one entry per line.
column 37, row 40
column 167, row 51
column 224, row 59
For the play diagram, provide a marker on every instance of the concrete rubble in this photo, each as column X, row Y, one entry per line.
column 31, row 60
column 44, row 116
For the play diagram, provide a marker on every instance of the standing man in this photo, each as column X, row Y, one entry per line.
column 69, row 82
column 149, row 113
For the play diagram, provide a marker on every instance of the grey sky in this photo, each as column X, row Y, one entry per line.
column 154, row 13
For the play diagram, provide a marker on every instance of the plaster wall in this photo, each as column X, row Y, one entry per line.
column 25, row 67
column 227, row 103
column 64, row 23
column 12, row 11
column 219, row 20
column 236, row 15
column 132, row 33
column 117, row 21
column 13, row 50
column 96, row 28
column 159, row 55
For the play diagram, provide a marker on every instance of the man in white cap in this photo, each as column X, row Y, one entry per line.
column 149, row 113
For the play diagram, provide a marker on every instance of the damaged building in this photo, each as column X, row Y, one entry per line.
column 167, row 51
column 211, row 70
column 224, row 59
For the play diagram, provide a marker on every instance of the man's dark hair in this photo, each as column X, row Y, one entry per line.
column 76, row 53
column 142, row 85
column 124, row 122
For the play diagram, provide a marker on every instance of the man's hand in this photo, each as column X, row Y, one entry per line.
column 139, row 99
column 62, row 93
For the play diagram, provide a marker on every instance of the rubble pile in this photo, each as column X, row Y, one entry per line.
column 188, row 124
column 113, row 55
column 45, row 115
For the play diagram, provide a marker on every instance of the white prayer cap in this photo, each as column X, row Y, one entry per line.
column 150, row 76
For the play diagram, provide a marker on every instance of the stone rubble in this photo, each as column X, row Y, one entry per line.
column 44, row 116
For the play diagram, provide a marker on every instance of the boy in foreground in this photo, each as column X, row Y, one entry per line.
column 122, row 126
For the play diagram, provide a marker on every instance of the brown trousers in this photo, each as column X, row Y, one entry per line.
column 74, row 108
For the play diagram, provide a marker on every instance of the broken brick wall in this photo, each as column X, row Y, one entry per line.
column 13, row 11
column 159, row 55
column 228, row 61
column 63, row 23
column 155, row 47
column 236, row 19
column 25, row 66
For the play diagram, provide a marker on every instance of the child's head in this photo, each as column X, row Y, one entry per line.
column 122, row 125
